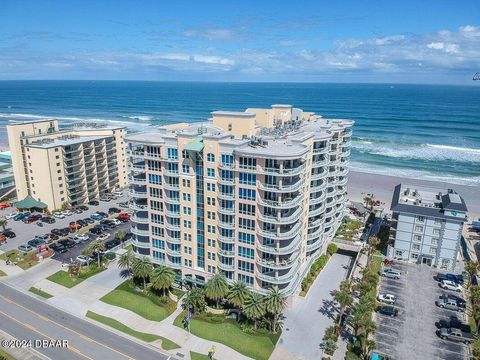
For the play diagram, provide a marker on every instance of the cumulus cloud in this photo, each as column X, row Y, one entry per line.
column 430, row 53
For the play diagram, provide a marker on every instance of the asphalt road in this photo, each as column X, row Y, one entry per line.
column 27, row 232
column 24, row 317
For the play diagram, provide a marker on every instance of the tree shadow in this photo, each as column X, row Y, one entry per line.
column 329, row 308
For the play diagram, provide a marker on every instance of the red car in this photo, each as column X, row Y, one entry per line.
column 124, row 216
column 4, row 205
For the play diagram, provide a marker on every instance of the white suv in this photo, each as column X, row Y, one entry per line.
column 450, row 285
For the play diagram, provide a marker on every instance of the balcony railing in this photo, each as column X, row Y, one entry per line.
column 294, row 245
column 226, row 211
column 318, row 210
column 137, row 194
column 283, row 171
column 295, row 216
column 139, row 220
column 281, row 188
column 279, row 279
column 139, row 232
column 283, row 204
column 226, row 253
column 137, row 207
column 226, row 225
column 226, row 239
column 137, row 181
column 226, row 196
column 281, row 264
column 315, row 245
column 226, row 267
column 282, row 235
column 322, row 150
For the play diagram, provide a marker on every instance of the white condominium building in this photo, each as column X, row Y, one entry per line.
column 256, row 195
column 70, row 166
column 427, row 225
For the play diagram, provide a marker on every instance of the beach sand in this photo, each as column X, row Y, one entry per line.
column 360, row 184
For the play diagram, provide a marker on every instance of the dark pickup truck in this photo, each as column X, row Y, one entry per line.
column 457, row 335
column 453, row 322
column 451, row 277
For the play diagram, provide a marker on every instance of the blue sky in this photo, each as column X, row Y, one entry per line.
column 428, row 41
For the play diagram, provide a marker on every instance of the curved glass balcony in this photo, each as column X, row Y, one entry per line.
column 226, row 253
column 226, row 225
column 282, row 220
column 139, row 220
column 315, row 245
column 283, row 171
column 285, row 250
column 139, row 232
column 317, row 211
column 225, row 267
column 226, row 211
column 226, row 196
column 283, row 204
column 226, row 239
column 281, row 235
column 279, row 279
column 322, row 150
column 282, row 188
column 281, row 264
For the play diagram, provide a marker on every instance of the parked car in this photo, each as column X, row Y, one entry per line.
column 105, row 215
column 460, row 302
column 114, row 210
column 79, row 238
column 88, row 221
column 96, row 230
column 453, row 322
column 58, row 248
column 390, row 273
column 111, row 244
column 451, row 277
column 449, row 304
column 2, row 238
column 83, row 207
column 117, row 193
column 25, row 248
column 82, row 223
column 54, row 236
column 11, row 215
column 124, row 216
column 21, row 216
column 48, row 220
column 116, row 222
column 4, row 205
column 457, row 335
column 93, row 203
column 121, row 219
column 103, row 237
column 9, row 234
column 387, row 298
column 77, row 210
column 67, row 213
column 32, row 218
column 56, row 231
column 450, row 285
column 105, row 198
column 96, row 217
column 123, row 205
column 59, row 215
column 74, row 226
column 45, row 238
column 82, row 260
column 35, row 243
column 388, row 310
column 67, row 243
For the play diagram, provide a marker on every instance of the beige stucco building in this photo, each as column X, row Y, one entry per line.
column 71, row 166
column 257, row 195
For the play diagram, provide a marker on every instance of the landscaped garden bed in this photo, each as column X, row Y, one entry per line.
column 22, row 260
column 69, row 280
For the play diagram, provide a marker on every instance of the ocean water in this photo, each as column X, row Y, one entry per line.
column 420, row 131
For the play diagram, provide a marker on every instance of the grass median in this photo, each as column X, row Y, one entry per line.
column 2, row 273
column 166, row 344
column 197, row 356
column 39, row 292
column 258, row 345
column 147, row 305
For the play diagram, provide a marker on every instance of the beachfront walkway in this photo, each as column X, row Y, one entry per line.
column 308, row 317
column 85, row 296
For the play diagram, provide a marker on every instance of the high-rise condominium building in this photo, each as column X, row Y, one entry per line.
column 70, row 166
column 256, row 195
column 427, row 225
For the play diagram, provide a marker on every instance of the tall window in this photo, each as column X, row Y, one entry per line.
column 210, row 157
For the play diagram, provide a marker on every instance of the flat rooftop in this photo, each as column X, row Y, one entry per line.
column 428, row 201
column 63, row 141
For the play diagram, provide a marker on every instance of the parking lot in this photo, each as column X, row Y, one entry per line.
column 412, row 334
column 73, row 252
column 25, row 232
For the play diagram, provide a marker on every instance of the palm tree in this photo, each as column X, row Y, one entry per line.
column 126, row 261
column 471, row 267
column 142, row 267
column 120, row 236
column 343, row 297
column 373, row 242
column 96, row 246
column 367, row 346
column 3, row 223
column 162, row 278
column 216, row 288
column 275, row 303
column 238, row 294
column 194, row 301
column 254, row 308
column 361, row 314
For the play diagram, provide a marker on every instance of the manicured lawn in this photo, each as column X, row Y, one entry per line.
column 227, row 331
column 197, row 356
column 40, row 292
column 23, row 260
column 5, row 356
column 147, row 305
column 166, row 344
column 63, row 278
column 2, row 273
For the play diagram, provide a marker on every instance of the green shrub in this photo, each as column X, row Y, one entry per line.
column 332, row 249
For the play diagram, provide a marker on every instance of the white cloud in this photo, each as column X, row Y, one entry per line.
column 436, row 45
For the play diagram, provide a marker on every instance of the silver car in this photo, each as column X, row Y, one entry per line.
column 390, row 273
